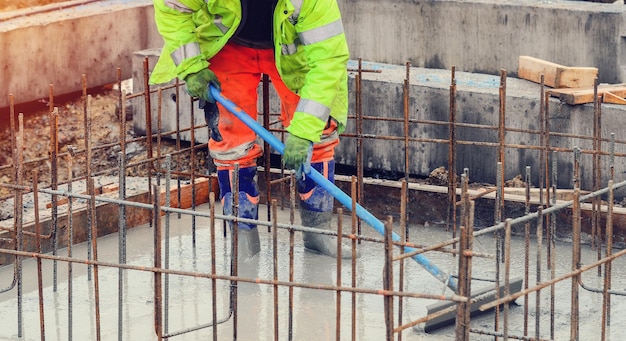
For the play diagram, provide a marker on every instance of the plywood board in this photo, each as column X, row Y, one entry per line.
column 555, row 75
column 610, row 97
column 586, row 95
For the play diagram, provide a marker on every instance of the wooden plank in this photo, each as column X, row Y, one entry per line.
column 555, row 75
column 610, row 97
column 585, row 95
column 64, row 200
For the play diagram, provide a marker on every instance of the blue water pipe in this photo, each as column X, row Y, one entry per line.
column 332, row 189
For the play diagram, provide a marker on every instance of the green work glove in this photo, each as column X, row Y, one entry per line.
column 297, row 154
column 198, row 84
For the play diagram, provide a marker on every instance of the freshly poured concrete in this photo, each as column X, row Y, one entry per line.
column 313, row 310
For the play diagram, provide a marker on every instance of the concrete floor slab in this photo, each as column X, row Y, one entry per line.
column 314, row 318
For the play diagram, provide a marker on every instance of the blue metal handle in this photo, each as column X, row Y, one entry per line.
column 332, row 189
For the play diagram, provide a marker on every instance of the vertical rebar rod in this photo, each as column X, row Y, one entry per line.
column 612, row 157
column 292, row 209
column 88, row 155
column 19, row 232
column 234, row 185
column 274, row 218
column 42, row 319
column 122, row 106
column 594, row 172
column 598, row 176
column 266, row 146
column 574, row 311
column 121, row 161
column 502, row 135
column 94, row 243
column 178, row 184
column 338, row 277
column 545, row 150
column 542, row 184
column 388, row 278
column 148, row 108
column 359, row 135
column 526, row 248
column 451, row 217
column 538, row 271
column 13, row 141
column 213, row 267
column 499, row 237
column 406, row 106
column 353, row 191
column 54, row 181
column 158, row 291
column 192, row 171
column 507, row 273
column 166, row 260
column 70, row 240
column 606, row 304
column 404, row 238
column 121, row 166
column 464, row 272
column 542, row 138
column 609, row 234
column 552, row 240
column 469, row 246
column 14, row 179
column 159, row 173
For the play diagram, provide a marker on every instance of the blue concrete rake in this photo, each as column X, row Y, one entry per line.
column 361, row 212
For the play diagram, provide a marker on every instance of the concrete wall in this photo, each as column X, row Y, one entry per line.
column 59, row 47
column 477, row 102
column 477, row 36
column 488, row 35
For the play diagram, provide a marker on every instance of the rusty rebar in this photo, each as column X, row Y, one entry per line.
column 451, row 214
column 42, row 324
column 274, row 230
column 388, row 280
column 93, row 228
column 192, row 164
column 526, row 248
column 358, row 183
column 265, row 80
column 338, row 275
column 54, row 174
column 359, row 135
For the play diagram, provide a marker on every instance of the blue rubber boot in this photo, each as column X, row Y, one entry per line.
column 248, row 236
column 316, row 211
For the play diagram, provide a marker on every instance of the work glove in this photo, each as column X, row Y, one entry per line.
column 297, row 155
column 198, row 84
column 212, row 118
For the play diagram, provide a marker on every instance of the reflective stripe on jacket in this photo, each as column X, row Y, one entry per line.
column 310, row 49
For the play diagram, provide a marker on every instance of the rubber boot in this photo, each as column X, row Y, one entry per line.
column 248, row 244
column 316, row 211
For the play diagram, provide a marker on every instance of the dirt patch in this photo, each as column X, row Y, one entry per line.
column 105, row 131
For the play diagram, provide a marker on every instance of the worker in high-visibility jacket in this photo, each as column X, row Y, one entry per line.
column 301, row 46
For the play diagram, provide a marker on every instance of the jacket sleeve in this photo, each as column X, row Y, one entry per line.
column 174, row 21
column 320, row 31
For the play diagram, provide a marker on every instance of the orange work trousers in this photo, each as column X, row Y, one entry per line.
column 239, row 70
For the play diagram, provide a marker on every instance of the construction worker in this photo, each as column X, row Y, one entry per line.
column 301, row 46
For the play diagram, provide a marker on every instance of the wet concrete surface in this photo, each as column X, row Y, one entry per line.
column 314, row 310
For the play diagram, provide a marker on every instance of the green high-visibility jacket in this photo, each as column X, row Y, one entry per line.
column 310, row 47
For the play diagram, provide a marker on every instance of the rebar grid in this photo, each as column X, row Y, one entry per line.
column 461, row 210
